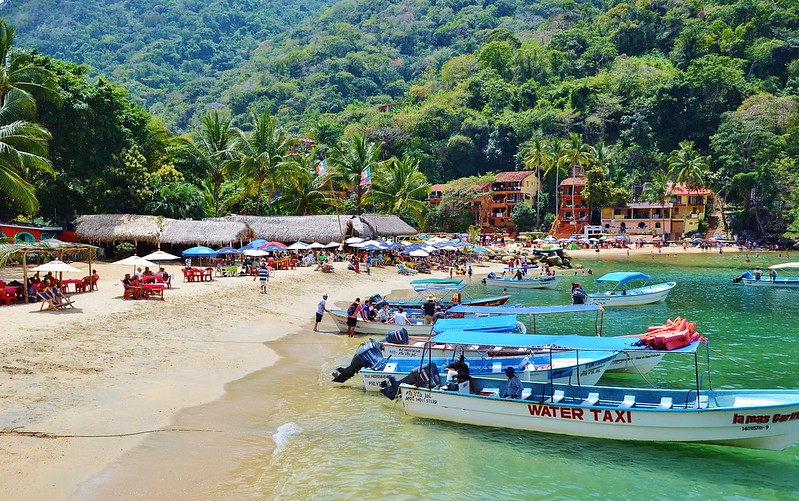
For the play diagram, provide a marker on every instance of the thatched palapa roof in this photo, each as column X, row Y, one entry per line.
column 326, row 228
column 387, row 226
column 122, row 227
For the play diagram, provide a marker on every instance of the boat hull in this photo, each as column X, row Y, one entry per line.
column 761, row 419
column 378, row 328
column 481, row 301
column 633, row 297
column 524, row 283
column 792, row 283
column 566, row 371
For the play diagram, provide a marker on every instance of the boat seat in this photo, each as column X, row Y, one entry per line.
column 665, row 403
column 390, row 367
column 557, row 396
column 701, row 403
column 592, row 399
column 489, row 392
column 629, row 401
column 526, row 393
column 496, row 368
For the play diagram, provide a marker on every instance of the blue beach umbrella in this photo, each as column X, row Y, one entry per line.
column 272, row 248
column 199, row 251
column 228, row 250
column 254, row 244
column 371, row 248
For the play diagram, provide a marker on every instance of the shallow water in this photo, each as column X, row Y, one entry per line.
column 338, row 442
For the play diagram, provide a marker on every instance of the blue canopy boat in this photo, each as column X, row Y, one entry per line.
column 620, row 295
column 773, row 279
column 754, row 418
column 417, row 302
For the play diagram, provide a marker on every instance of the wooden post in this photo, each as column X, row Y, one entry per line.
column 89, row 259
column 25, row 276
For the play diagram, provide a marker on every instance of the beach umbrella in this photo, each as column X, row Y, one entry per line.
column 418, row 253
column 274, row 242
column 550, row 239
column 371, row 248
column 254, row 244
column 449, row 248
column 316, row 245
column 227, row 250
column 333, row 245
column 56, row 265
column 135, row 260
column 199, row 251
column 297, row 246
column 254, row 252
column 160, row 255
column 429, row 248
column 593, row 240
column 272, row 248
column 656, row 239
column 353, row 240
column 480, row 250
column 622, row 237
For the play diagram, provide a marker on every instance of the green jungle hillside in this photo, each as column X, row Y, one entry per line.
column 702, row 92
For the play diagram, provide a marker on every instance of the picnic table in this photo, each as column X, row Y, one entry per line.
column 78, row 283
column 230, row 270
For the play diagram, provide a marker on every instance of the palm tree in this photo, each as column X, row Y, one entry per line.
column 262, row 153
column 214, row 150
column 349, row 159
column 537, row 157
column 18, row 72
column 687, row 167
column 401, row 187
column 23, row 145
column 303, row 191
column 657, row 191
column 556, row 164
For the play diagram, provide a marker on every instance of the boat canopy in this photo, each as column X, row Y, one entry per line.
column 569, row 341
column 623, row 277
column 505, row 323
column 784, row 266
column 525, row 310
column 437, row 281
column 439, row 287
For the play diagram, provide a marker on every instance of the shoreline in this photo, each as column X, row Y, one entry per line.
column 115, row 367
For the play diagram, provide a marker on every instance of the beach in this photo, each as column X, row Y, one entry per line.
column 105, row 376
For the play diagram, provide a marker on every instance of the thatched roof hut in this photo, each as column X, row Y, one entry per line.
column 152, row 229
column 178, row 231
column 118, row 228
column 325, row 228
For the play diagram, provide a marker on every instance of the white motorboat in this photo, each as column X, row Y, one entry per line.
column 620, row 295
column 773, row 278
column 542, row 282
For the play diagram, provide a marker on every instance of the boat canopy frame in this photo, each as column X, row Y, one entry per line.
column 533, row 311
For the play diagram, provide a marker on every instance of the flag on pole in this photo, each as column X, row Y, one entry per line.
column 321, row 167
column 366, row 177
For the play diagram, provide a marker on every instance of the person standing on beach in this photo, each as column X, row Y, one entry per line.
column 352, row 316
column 262, row 275
column 320, row 312
column 429, row 309
column 469, row 272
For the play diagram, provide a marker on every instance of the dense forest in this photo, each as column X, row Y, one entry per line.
column 706, row 91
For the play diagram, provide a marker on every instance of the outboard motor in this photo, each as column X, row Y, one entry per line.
column 745, row 274
column 367, row 356
column 426, row 376
column 399, row 336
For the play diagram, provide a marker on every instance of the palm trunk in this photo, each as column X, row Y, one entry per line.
column 258, row 198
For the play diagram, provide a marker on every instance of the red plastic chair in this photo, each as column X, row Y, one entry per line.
column 5, row 297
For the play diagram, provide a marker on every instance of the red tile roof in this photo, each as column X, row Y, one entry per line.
column 680, row 189
column 514, row 176
column 573, row 181
column 438, row 187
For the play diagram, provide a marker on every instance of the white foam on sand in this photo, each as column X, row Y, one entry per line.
column 283, row 435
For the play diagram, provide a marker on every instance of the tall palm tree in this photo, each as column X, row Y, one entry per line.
column 18, row 72
column 213, row 150
column 577, row 155
column 23, row 146
column 262, row 153
column 537, row 158
column 657, row 191
column 556, row 149
column 401, row 187
column 304, row 193
column 688, row 168
column 349, row 159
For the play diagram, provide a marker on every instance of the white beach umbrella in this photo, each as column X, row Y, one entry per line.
column 160, row 255
column 56, row 265
column 429, row 248
column 316, row 245
column 333, row 245
column 297, row 246
column 254, row 252
column 135, row 260
column 449, row 248
column 353, row 240
column 418, row 253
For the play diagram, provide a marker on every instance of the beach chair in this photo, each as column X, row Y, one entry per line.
column 130, row 292
column 5, row 297
column 404, row 270
column 51, row 300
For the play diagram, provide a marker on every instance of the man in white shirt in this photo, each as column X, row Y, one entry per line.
column 400, row 317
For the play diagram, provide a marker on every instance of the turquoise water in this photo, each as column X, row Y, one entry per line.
column 342, row 443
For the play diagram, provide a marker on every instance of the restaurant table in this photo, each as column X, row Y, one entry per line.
column 153, row 289
column 72, row 281
column 230, row 271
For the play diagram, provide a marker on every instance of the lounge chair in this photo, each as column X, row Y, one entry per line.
column 53, row 300
column 404, row 270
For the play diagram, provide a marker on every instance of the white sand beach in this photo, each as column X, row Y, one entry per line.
column 119, row 369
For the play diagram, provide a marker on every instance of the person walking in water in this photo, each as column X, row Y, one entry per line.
column 320, row 312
